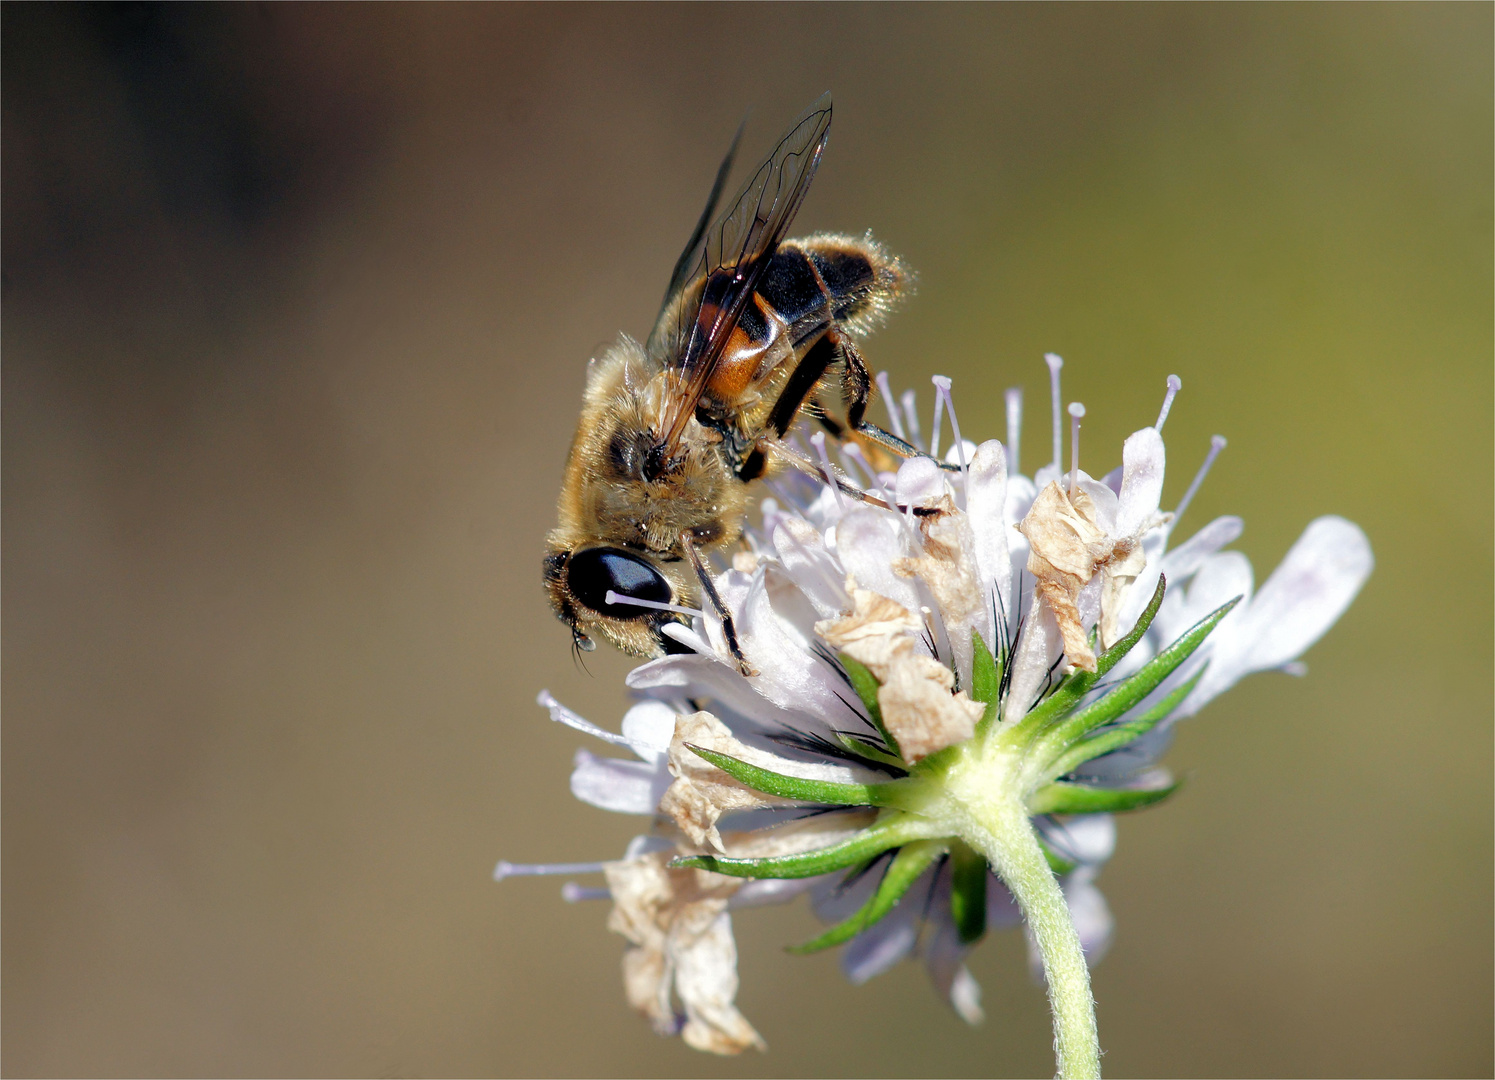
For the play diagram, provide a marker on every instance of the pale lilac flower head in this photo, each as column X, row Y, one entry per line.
column 954, row 608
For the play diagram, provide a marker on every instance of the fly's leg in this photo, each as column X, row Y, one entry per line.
column 779, row 448
column 857, row 386
column 802, row 382
column 708, row 589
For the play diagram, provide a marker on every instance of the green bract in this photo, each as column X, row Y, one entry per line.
column 1026, row 763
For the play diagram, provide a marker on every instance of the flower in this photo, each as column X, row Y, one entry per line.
column 959, row 675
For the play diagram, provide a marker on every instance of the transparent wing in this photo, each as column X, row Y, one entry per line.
column 690, row 258
column 718, row 273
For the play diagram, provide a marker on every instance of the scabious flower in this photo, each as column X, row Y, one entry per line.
column 959, row 677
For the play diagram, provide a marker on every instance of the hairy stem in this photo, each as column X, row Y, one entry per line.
column 1003, row 833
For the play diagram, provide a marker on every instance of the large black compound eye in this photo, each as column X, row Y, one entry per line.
column 591, row 574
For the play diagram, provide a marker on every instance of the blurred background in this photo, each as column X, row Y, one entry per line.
column 297, row 304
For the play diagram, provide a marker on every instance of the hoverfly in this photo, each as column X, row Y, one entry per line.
column 755, row 331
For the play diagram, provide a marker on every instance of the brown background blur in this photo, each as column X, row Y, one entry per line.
column 297, row 302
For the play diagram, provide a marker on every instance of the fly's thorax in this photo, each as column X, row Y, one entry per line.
column 633, row 496
column 619, row 488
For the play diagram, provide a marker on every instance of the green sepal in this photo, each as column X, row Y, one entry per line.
column 865, row 845
column 1112, row 656
column 986, row 680
column 1103, row 742
column 1078, row 684
column 864, row 749
column 1062, row 797
column 1132, row 690
column 793, row 787
column 968, row 874
column 911, row 861
column 866, row 685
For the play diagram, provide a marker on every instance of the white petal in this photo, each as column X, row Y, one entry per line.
column 802, row 551
column 1088, row 839
column 1105, row 504
column 1220, row 578
column 868, row 541
column 920, row 481
column 1020, row 495
column 649, row 726
column 988, row 479
column 1143, row 461
column 625, row 787
column 1181, row 563
column 826, row 508
column 965, row 996
column 707, row 677
column 790, row 673
column 952, row 455
column 1047, row 475
column 1307, row 593
column 1139, row 595
column 1037, row 648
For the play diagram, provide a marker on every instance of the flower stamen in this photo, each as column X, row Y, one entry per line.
column 615, row 599
column 1174, row 385
column 1216, row 444
column 942, row 385
column 506, row 869
column 1055, row 362
column 934, row 438
column 562, row 715
column 891, row 404
column 1014, row 427
column 1076, row 412
column 818, row 441
column 911, row 413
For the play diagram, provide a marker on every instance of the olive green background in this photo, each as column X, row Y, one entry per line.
column 297, row 302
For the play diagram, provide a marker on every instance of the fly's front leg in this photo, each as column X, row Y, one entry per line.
column 708, row 589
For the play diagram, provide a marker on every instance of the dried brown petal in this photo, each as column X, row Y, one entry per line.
column 680, row 939
column 1066, row 546
column 702, row 793
column 917, row 706
column 919, row 710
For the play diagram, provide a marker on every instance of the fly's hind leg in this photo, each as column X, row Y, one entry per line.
column 856, row 384
column 708, row 590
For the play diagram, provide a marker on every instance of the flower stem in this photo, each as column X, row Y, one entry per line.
column 1005, row 836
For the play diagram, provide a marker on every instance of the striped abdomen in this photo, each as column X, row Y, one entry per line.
column 810, row 286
